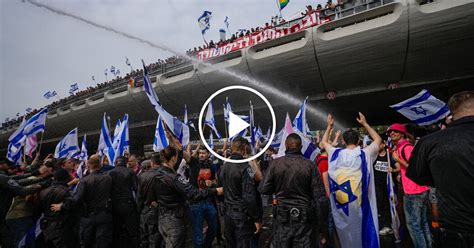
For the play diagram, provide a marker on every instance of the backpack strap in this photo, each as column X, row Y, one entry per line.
column 403, row 151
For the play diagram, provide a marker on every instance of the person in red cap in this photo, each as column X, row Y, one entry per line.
column 415, row 200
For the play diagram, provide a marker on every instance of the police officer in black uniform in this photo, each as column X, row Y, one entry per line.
column 300, row 197
column 170, row 191
column 57, row 226
column 124, row 206
column 93, row 192
column 11, row 186
column 242, row 213
column 149, row 234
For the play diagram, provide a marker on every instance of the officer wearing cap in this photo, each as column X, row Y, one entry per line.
column 149, row 233
column 124, row 207
column 242, row 213
column 57, row 226
column 93, row 192
column 301, row 201
column 11, row 186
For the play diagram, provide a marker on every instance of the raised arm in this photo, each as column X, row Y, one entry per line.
column 373, row 134
column 325, row 142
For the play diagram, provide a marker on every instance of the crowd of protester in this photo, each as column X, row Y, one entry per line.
column 149, row 203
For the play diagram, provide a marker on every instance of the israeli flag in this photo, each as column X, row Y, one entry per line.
column 396, row 227
column 74, row 87
column 28, row 110
column 204, row 21
column 352, row 196
column 258, row 133
column 105, row 142
column 184, row 139
column 36, row 123
column 67, row 147
column 160, row 141
column 210, row 121
column 173, row 123
column 53, row 93
column 308, row 148
column 47, row 95
column 121, row 141
column 14, row 153
column 276, row 142
column 112, row 69
column 423, row 109
column 83, row 156
column 253, row 139
column 31, row 144
column 117, row 72
column 18, row 136
column 105, row 72
column 300, row 123
column 227, row 110
column 269, row 133
column 30, row 237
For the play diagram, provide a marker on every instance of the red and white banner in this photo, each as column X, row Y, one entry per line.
column 264, row 35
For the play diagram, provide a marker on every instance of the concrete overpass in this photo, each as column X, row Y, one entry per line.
column 403, row 44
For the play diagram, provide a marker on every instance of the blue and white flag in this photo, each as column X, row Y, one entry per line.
column 227, row 110
column 53, row 93
column 15, row 153
column 308, row 148
column 204, row 21
column 211, row 141
column 184, row 139
column 30, row 237
column 121, row 139
column 48, row 95
column 105, row 72
column 36, row 123
column 396, row 227
column 160, row 141
column 222, row 34
column 28, row 110
column 210, row 121
column 423, row 109
column 300, row 123
column 93, row 78
column 173, row 123
column 67, row 147
column 352, row 196
column 269, row 133
column 276, row 142
column 112, row 69
column 105, row 142
column 258, row 133
column 74, row 87
column 117, row 72
column 83, row 156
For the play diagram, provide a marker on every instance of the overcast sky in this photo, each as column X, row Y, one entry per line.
column 42, row 51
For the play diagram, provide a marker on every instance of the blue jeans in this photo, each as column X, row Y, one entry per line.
column 200, row 211
column 416, row 206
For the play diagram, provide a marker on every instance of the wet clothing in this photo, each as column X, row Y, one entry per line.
column 124, row 207
column 444, row 160
column 56, row 226
column 93, row 193
column 242, row 207
column 301, row 200
column 149, row 234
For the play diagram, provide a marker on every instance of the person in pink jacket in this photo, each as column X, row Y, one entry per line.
column 415, row 199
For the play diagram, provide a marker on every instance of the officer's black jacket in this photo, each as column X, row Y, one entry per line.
column 238, row 180
column 11, row 186
column 54, row 194
column 93, row 191
column 145, row 181
column 296, row 182
column 124, row 183
column 171, row 191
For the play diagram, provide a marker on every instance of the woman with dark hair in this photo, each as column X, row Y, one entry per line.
column 170, row 192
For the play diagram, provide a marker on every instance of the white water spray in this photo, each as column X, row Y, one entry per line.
column 259, row 84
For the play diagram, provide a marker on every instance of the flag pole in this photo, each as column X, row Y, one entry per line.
column 41, row 142
column 279, row 9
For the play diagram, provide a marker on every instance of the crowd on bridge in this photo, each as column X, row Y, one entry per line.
column 342, row 199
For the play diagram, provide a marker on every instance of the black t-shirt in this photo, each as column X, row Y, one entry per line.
column 380, row 171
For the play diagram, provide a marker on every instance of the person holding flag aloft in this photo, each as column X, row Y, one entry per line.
column 351, row 183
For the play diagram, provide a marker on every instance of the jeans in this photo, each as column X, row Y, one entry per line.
column 173, row 230
column 416, row 206
column 200, row 211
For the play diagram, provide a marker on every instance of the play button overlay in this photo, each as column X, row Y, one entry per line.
column 236, row 124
